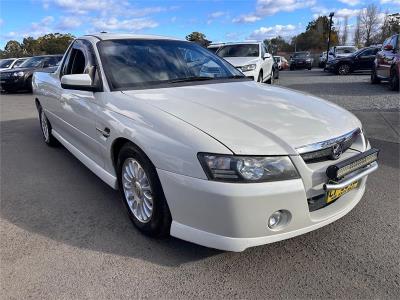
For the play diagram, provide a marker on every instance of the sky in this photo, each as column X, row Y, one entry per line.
column 220, row 20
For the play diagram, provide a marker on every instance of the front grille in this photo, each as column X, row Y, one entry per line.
column 323, row 151
column 5, row 75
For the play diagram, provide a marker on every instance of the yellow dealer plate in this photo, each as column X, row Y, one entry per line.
column 335, row 194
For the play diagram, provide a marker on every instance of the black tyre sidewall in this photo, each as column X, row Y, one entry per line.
column 52, row 142
column 160, row 222
column 394, row 81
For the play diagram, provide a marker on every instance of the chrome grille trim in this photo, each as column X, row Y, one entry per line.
column 323, row 150
column 329, row 143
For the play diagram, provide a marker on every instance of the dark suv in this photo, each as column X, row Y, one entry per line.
column 387, row 63
column 301, row 60
column 361, row 60
column 21, row 78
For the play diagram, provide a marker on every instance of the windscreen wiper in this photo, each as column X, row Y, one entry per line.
column 193, row 78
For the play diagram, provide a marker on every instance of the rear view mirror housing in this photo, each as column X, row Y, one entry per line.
column 266, row 55
column 81, row 82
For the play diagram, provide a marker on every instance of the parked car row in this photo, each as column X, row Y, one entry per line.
column 18, row 75
column 382, row 61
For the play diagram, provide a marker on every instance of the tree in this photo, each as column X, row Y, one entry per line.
column 30, row 46
column 369, row 20
column 278, row 44
column 13, row 49
column 54, row 43
column 357, row 32
column 390, row 26
column 316, row 36
column 345, row 30
column 199, row 38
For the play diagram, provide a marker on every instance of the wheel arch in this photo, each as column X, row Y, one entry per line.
column 116, row 147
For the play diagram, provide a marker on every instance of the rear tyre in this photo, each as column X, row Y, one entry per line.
column 394, row 81
column 374, row 77
column 45, row 125
column 142, row 193
column 344, row 69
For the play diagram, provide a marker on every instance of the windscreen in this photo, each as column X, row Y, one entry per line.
column 146, row 63
column 5, row 63
column 33, row 62
column 241, row 50
column 346, row 50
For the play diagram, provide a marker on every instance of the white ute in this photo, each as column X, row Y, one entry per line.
column 198, row 150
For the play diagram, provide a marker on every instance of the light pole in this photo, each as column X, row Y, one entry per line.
column 329, row 36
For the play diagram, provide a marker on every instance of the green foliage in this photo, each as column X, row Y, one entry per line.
column 199, row 38
column 316, row 36
column 278, row 44
column 53, row 43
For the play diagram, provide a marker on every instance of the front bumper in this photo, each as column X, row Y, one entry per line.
column 233, row 217
column 12, row 83
column 331, row 67
column 250, row 74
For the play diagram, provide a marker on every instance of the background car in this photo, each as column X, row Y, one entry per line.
column 11, row 63
column 282, row 62
column 322, row 60
column 387, row 63
column 361, row 60
column 251, row 58
column 301, row 60
column 21, row 78
column 341, row 51
column 214, row 47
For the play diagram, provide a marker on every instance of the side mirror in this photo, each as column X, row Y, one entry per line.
column 81, row 82
column 267, row 55
column 388, row 48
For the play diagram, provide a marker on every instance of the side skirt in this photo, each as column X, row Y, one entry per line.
column 108, row 178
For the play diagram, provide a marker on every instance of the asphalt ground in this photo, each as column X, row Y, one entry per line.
column 65, row 235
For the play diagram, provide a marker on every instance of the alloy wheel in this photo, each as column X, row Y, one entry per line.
column 45, row 127
column 137, row 190
column 344, row 69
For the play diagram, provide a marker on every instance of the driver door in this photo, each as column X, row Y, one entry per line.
column 78, row 107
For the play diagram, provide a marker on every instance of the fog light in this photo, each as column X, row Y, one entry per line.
column 279, row 218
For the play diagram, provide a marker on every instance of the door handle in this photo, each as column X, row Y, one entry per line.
column 104, row 132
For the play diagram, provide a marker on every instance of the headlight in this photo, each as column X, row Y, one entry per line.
column 232, row 168
column 248, row 67
column 18, row 74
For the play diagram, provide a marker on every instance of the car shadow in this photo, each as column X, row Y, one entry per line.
column 47, row 191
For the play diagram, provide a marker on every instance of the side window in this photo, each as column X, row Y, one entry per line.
column 368, row 52
column 76, row 63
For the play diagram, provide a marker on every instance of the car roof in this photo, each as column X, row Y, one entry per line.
column 243, row 43
column 121, row 36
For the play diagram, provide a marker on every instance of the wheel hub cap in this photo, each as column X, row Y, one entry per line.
column 137, row 190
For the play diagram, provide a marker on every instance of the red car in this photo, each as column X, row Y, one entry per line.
column 387, row 63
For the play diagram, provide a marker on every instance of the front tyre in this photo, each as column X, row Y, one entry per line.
column 260, row 77
column 272, row 77
column 344, row 69
column 394, row 81
column 45, row 125
column 374, row 77
column 142, row 193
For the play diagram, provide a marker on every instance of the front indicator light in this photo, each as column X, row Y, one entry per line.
column 247, row 169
